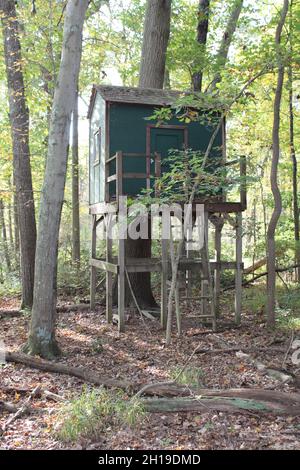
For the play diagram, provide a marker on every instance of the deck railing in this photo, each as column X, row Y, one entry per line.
column 119, row 176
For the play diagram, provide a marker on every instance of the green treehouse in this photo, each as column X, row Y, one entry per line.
column 128, row 152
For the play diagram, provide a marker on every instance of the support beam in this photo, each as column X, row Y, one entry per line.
column 164, row 279
column 217, row 272
column 238, row 269
column 121, row 270
column 93, row 269
column 109, row 279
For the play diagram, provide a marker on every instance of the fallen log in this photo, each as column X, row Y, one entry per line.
column 10, row 313
column 60, row 309
column 258, row 264
column 236, row 349
column 207, row 403
column 59, row 368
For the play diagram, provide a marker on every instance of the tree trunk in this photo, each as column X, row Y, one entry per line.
column 16, row 231
column 293, row 154
column 42, row 328
column 75, row 186
column 155, row 43
column 19, row 119
column 152, row 74
column 226, row 41
column 4, row 237
column 271, row 247
column 202, row 30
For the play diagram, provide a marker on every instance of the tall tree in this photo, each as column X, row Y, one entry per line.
column 75, row 185
column 222, row 53
column 19, row 119
column 155, row 43
column 292, row 147
column 202, row 30
column 42, row 327
column 152, row 74
column 271, row 246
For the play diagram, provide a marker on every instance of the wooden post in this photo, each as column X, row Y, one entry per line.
column 119, row 173
column 157, row 164
column 121, row 266
column 218, row 246
column 109, row 280
column 93, row 269
column 204, row 282
column 164, row 279
column 238, row 271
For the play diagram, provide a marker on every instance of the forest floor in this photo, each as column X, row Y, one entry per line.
column 140, row 355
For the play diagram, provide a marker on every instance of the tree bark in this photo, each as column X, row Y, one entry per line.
column 41, row 339
column 222, row 54
column 4, row 237
column 231, row 404
column 155, row 43
column 75, row 186
column 271, row 246
column 202, row 30
column 19, row 119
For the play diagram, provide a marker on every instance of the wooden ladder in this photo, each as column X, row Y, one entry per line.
column 208, row 307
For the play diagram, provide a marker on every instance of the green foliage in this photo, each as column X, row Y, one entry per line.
column 94, row 411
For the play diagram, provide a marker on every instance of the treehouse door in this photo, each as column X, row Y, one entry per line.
column 165, row 138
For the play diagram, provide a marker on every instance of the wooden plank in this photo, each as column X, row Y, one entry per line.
column 109, row 279
column 239, row 270
column 93, row 270
column 121, row 285
column 111, row 159
column 135, row 175
column 217, row 272
column 164, row 278
column 102, row 208
column 111, row 178
column 104, row 265
column 119, row 173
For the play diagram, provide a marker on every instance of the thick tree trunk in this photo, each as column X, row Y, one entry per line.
column 152, row 75
column 75, row 186
column 42, row 328
column 19, row 118
column 222, row 54
column 16, row 232
column 4, row 237
column 202, row 30
column 271, row 247
column 155, row 43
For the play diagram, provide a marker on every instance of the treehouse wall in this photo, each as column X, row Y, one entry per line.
column 129, row 132
column 97, row 151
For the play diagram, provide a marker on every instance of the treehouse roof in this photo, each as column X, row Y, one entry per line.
column 121, row 94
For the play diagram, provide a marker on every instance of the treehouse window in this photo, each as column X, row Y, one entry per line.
column 97, row 146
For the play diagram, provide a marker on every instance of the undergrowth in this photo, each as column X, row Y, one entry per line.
column 95, row 411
